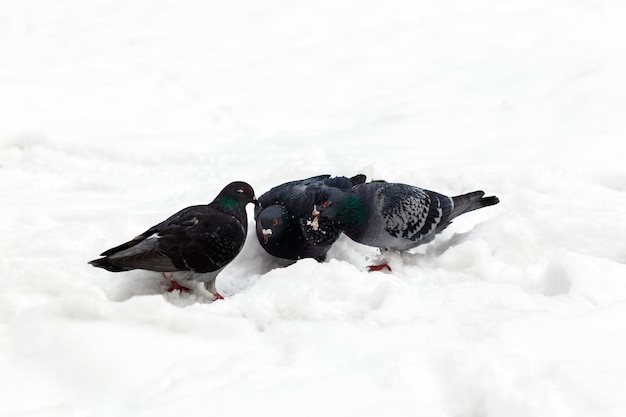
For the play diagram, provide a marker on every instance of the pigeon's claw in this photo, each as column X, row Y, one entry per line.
column 373, row 268
column 175, row 285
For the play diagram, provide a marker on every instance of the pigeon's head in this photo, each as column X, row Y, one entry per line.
column 336, row 209
column 328, row 202
column 321, row 223
column 320, row 227
column 272, row 224
column 239, row 193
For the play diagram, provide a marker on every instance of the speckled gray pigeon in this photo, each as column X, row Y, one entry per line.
column 194, row 244
column 279, row 217
column 391, row 215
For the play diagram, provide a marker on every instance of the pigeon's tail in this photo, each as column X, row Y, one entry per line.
column 471, row 201
column 105, row 263
column 144, row 254
column 127, row 245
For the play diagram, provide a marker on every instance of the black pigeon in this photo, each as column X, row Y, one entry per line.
column 281, row 212
column 391, row 215
column 194, row 244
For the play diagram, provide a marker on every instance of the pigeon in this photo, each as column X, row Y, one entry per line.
column 194, row 244
column 279, row 217
column 391, row 216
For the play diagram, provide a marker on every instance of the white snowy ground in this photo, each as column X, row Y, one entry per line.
column 114, row 114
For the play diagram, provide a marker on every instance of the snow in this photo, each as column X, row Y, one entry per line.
column 116, row 114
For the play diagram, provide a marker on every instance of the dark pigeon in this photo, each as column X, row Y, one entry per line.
column 194, row 244
column 392, row 215
column 281, row 212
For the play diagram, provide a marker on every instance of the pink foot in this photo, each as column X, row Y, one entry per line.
column 380, row 267
column 175, row 285
column 218, row 296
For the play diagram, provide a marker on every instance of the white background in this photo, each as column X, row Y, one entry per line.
column 115, row 114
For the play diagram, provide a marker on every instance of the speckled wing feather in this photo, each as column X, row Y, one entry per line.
column 411, row 212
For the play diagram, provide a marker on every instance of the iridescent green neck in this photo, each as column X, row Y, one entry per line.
column 233, row 207
column 351, row 211
column 229, row 203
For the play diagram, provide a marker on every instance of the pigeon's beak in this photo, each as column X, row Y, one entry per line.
column 266, row 235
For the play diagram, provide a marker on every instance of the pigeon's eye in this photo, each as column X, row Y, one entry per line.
column 327, row 203
column 245, row 191
column 275, row 222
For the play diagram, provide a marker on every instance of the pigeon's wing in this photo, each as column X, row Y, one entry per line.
column 127, row 245
column 205, row 243
column 318, row 179
column 141, row 255
column 197, row 238
column 178, row 219
column 298, row 189
column 411, row 212
column 358, row 179
column 344, row 183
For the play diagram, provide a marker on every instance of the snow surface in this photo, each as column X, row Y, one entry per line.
column 115, row 114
